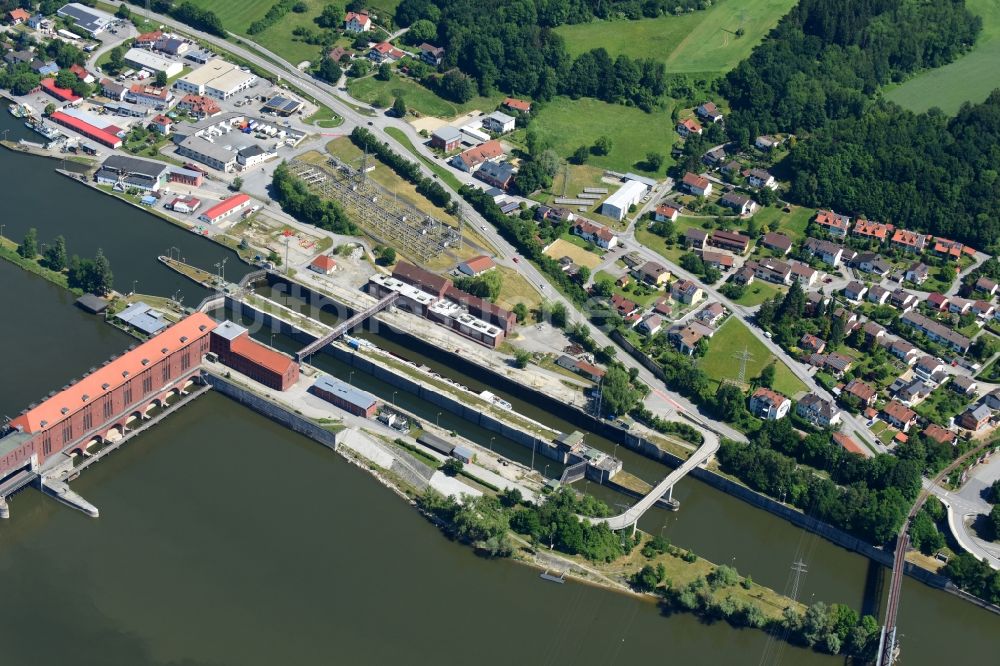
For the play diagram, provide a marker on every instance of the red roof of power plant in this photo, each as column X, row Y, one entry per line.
column 86, row 129
column 114, row 374
column 223, row 207
column 65, row 94
column 265, row 357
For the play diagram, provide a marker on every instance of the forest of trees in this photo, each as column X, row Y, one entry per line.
column 827, row 57
column 867, row 497
column 921, row 171
column 817, row 75
column 511, row 47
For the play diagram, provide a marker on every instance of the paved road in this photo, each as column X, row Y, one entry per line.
column 800, row 370
column 966, row 504
column 661, row 401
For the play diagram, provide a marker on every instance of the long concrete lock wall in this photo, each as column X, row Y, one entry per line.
column 271, row 410
column 603, row 428
column 443, row 400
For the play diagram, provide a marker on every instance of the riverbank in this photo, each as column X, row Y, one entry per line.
column 8, row 252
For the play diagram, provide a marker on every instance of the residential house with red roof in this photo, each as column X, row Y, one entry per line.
column 769, row 405
column 689, row 126
column 847, row 443
column 869, row 230
column 899, row 415
column 473, row 158
column 357, row 22
column 832, row 223
column 936, row 433
column 595, row 233
column 697, row 185
column 623, row 306
column 910, row 241
column 862, row 391
column 519, row 105
column 18, row 16
column 665, row 212
column 385, row 52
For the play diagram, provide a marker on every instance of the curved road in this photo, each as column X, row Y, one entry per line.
column 659, row 400
column 746, row 314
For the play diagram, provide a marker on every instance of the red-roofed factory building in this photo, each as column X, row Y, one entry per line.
column 224, row 209
column 104, row 404
column 235, row 348
column 92, row 132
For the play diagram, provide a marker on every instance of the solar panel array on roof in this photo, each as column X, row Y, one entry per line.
column 282, row 105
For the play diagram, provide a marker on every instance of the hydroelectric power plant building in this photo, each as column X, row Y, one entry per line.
column 102, row 404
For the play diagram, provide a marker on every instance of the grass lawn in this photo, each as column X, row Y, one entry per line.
column 325, row 118
column 561, row 248
column 449, row 179
column 642, row 298
column 720, row 363
column 970, row 78
column 382, row 93
column 568, row 124
column 419, row 99
column 758, row 292
column 701, row 41
column 791, row 224
column 656, row 243
column 516, row 289
column 887, row 435
column 237, row 15
column 579, row 242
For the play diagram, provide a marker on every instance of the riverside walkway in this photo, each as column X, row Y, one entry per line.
column 631, row 516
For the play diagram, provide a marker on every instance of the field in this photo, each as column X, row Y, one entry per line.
column 791, row 224
column 720, row 363
column 237, row 15
column 418, row 99
column 758, row 292
column 561, row 248
column 970, row 78
column 516, row 289
column 701, row 41
column 567, row 124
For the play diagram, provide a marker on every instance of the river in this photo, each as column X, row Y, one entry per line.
column 222, row 536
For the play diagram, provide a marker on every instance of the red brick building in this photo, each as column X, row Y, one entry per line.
column 109, row 399
column 235, row 348
column 345, row 396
